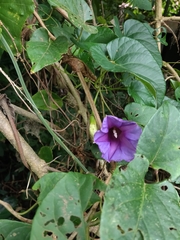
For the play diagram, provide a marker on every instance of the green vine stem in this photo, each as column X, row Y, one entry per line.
column 38, row 113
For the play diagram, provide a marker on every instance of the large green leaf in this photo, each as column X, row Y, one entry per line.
column 14, row 230
column 134, row 210
column 78, row 12
column 63, row 200
column 160, row 140
column 142, row 33
column 129, row 55
column 13, row 14
column 42, row 51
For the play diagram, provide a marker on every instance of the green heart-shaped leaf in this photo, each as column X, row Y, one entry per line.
column 128, row 55
column 43, row 51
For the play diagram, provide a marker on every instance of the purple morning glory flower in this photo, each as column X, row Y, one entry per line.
column 117, row 139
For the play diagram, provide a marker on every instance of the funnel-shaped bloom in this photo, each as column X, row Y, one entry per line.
column 117, row 139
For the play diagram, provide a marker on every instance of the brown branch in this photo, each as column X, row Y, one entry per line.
column 33, row 117
column 158, row 12
column 6, row 108
column 82, row 109
column 36, row 164
column 173, row 18
column 63, row 13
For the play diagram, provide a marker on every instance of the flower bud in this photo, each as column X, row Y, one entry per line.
column 92, row 127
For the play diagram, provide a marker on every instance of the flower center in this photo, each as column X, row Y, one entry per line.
column 115, row 132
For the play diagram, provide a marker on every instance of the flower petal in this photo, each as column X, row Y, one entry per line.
column 100, row 137
column 104, row 148
column 112, row 153
column 133, row 134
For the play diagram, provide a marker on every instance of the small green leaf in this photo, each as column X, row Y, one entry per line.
column 46, row 153
column 104, row 35
column 78, row 12
column 139, row 113
column 44, row 102
column 43, row 51
column 145, row 4
column 117, row 29
column 134, row 209
column 140, row 93
column 174, row 84
column 14, row 230
column 177, row 94
column 160, row 140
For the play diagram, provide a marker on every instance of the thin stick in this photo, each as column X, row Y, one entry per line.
column 14, row 213
column 91, row 7
column 90, row 99
column 43, row 25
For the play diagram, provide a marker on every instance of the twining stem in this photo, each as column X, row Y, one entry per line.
column 171, row 69
column 158, row 10
column 38, row 113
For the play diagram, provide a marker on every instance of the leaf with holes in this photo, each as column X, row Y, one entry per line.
column 134, row 209
column 139, row 113
column 42, row 51
column 160, row 140
column 63, row 201
column 13, row 14
column 14, row 230
column 78, row 12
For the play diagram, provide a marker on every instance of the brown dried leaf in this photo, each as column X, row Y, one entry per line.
column 78, row 66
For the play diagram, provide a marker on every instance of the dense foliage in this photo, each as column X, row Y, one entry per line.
column 90, row 139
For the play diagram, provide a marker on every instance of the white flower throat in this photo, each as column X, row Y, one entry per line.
column 115, row 133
